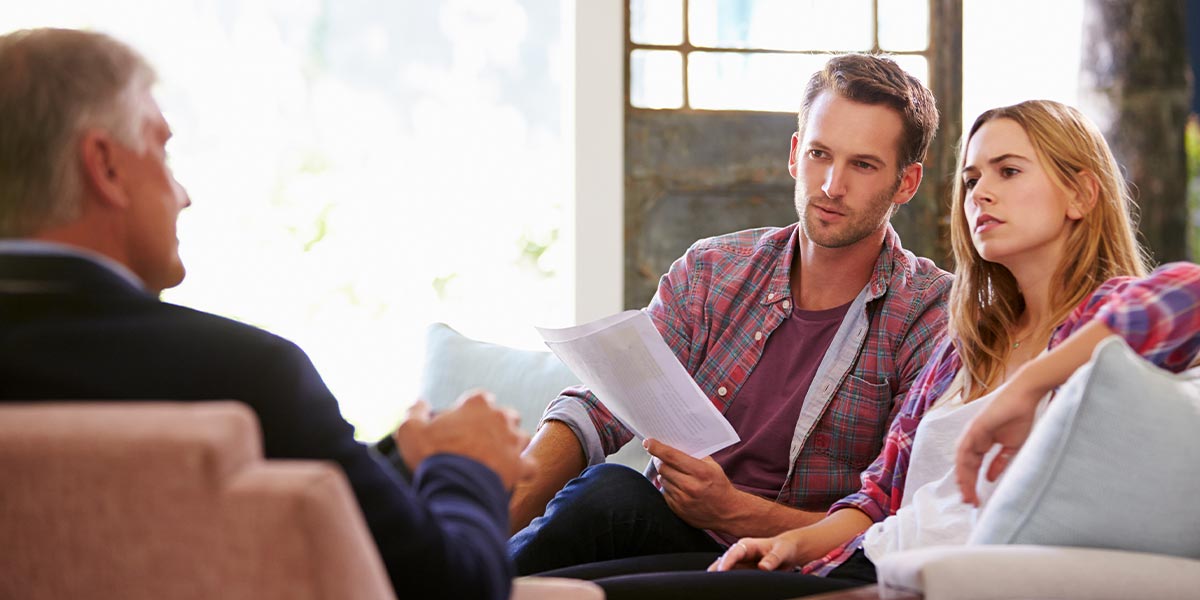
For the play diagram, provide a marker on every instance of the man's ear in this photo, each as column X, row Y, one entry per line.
column 793, row 160
column 910, row 180
column 101, row 168
column 1084, row 199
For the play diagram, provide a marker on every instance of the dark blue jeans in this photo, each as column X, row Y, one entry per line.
column 608, row 512
column 684, row 576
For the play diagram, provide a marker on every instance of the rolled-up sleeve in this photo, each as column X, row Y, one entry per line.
column 574, row 414
column 1158, row 316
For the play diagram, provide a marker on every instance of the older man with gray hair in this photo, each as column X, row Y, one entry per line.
column 88, row 208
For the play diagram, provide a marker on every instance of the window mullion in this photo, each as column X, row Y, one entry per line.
column 687, row 55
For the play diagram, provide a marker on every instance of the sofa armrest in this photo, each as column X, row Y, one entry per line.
column 998, row 572
column 866, row 592
column 555, row 588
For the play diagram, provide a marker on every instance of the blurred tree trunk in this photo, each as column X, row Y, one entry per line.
column 1134, row 84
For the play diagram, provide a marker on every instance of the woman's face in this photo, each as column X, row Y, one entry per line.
column 1015, row 211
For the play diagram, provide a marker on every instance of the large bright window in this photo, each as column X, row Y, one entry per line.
column 360, row 169
column 1020, row 50
column 758, row 54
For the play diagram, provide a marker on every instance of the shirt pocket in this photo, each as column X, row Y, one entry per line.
column 857, row 420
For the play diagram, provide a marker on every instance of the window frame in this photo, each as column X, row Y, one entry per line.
column 685, row 48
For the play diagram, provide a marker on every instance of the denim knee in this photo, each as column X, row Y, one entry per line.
column 601, row 488
column 588, row 520
column 612, row 474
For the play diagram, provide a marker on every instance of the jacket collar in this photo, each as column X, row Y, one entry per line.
column 63, row 273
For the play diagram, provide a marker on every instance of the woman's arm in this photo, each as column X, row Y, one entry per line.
column 796, row 547
column 1158, row 316
column 1009, row 417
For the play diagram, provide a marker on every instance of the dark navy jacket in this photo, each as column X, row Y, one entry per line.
column 71, row 329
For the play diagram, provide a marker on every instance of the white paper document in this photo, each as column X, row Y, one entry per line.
column 629, row 367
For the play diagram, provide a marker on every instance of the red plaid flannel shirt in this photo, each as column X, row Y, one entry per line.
column 725, row 289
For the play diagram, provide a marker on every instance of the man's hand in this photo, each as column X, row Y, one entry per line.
column 697, row 489
column 767, row 554
column 476, row 428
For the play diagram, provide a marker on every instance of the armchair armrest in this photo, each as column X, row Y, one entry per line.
column 996, row 572
column 555, row 588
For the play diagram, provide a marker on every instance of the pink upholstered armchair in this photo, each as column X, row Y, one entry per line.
column 174, row 500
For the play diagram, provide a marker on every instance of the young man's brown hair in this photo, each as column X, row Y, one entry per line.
column 873, row 79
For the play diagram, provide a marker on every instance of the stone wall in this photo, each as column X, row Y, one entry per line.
column 695, row 174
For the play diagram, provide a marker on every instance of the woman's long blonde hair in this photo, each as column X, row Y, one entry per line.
column 985, row 301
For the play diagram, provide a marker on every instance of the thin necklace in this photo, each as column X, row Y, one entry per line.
column 1025, row 338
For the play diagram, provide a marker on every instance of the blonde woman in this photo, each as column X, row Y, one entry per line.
column 1047, row 267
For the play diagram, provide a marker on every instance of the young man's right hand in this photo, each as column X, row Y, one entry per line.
column 475, row 428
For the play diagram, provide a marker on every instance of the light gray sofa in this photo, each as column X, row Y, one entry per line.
column 1030, row 572
column 1100, row 503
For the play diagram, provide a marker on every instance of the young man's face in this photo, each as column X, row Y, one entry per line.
column 156, row 200
column 845, row 162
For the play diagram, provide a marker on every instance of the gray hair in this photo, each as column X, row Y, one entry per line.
column 54, row 85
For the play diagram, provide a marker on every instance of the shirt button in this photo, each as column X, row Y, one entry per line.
column 771, row 296
column 786, row 304
column 757, row 335
column 721, row 391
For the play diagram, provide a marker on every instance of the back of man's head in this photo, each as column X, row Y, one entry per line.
column 872, row 79
column 54, row 84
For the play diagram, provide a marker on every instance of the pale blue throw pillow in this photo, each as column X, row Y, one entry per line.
column 523, row 379
column 1114, row 463
column 526, row 380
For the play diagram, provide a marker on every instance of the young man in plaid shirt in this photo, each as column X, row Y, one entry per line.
column 806, row 337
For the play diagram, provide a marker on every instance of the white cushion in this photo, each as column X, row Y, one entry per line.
column 1114, row 463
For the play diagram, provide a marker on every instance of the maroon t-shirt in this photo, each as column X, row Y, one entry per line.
column 766, row 410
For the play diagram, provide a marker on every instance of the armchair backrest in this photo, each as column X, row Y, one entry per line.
column 171, row 500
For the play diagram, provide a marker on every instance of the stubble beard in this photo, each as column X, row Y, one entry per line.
column 855, row 226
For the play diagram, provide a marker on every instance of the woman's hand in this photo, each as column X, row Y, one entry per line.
column 1009, row 418
column 767, row 554
column 795, row 547
column 1007, row 421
